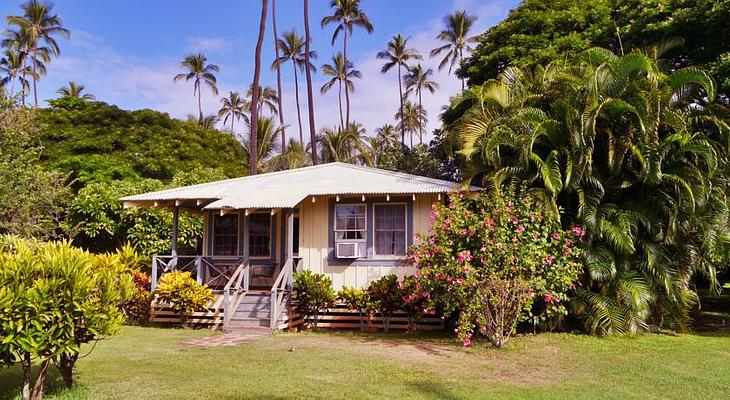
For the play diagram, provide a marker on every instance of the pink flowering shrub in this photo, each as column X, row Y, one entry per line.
column 488, row 259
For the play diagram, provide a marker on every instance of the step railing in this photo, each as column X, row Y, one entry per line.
column 212, row 271
column 235, row 290
column 280, row 291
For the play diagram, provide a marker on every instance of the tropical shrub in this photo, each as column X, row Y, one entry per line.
column 184, row 294
column 634, row 153
column 386, row 297
column 414, row 300
column 137, row 308
column 313, row 293
column 356, row 299
column 483, row 255
column 53, row 299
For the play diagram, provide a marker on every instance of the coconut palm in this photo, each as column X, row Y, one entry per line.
column 206, row 122
column 387, row 135
column 292, row 49
column 456, row 36
column 343, row 145
column 13, row 68
column 398, row 54
column 233, row 107
column 411, row 118
column 339, row 75
column 267, row 145
column 371, row 149
column 278, row 75
column 628, row 152
column 38, row 28
column 416, row 80
column 74, row 90
column 253, row 142
column 347, row 15
column 308, row 67
column 200, row 72
column 296, row 155
column 268, row 98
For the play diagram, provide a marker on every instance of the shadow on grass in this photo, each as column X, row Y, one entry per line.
column 11, row 380
column 430, row 342
column 434, row 390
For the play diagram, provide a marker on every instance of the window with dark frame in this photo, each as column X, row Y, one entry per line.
column 389, row 230
column 225, row 235
column 350, row 222
column 259, row 235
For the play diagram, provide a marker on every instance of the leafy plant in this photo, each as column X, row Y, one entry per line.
column 184, row 294
column 358, row 300
column 314, row 293
column 415, row 299
column 385, row 295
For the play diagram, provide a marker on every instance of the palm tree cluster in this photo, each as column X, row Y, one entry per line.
column 29, row 46
column 636, row 155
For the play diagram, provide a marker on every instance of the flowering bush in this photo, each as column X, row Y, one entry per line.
column 479, row 248
column 414, row 300
column 385, row 296
column 137, row 307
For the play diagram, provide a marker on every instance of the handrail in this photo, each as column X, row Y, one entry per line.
column 281, row 286
column 240, row 275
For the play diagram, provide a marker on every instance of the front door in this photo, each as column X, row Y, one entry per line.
column 292, row 234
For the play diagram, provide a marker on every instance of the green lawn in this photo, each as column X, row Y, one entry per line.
column 153, row 363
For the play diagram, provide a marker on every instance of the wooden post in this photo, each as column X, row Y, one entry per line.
column 175, row 222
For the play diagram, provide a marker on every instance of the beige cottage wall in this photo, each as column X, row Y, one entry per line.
column 314, row 243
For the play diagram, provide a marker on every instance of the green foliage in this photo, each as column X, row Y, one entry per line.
column 53, row 299
column 386, row 297
column 424, row 160
column 479, row 248
column 356, row 299
column 32, row 198
column 542, row 31
column 151, row 143
column 635, row 155
column 313, row 293
column 184, row 294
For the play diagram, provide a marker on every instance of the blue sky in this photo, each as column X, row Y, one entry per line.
column 127, row 51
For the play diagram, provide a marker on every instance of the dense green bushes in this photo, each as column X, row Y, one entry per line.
column 184, row 294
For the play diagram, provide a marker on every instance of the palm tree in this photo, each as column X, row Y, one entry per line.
column 267, row 134
column 40, row 28
column 411, row 118
column 347, row 15
column 296, row 155
column 416, row 80
column 207, row 122
column 253, row 153
column 18, row 41
column 199, row 71
column 387, row 135
column 343, row 145
column 233, row 107
column 339, row 75
column 310, row 95
column 268, row 98
column 278, row 75
column 457, row 37
column 12, row 66
column 372, row 147
column 292, row 49
column 628, row 152
column 398, row 54
column 74, row 90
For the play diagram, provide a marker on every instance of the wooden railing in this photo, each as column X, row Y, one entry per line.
column 212, row 271
column 280, row 291
column 235, row 290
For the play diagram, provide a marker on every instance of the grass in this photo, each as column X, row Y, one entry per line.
column 154, row 363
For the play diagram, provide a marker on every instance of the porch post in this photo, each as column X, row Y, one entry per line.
column 175, row 221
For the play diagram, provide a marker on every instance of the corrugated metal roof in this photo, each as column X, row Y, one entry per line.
column 285, row 189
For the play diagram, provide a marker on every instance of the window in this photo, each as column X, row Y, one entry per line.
column 259, row 235
column 225, row 235
column 350, row 222
column 390, row 230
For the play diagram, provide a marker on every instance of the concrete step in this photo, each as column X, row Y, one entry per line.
column 248, row 322
column 260, row 314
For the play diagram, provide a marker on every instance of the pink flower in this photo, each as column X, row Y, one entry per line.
column 465, row 256
column 567, row 251
column 460, row 281
column 515, row 221
column 520, row 229
column 556, row 236
column 549, row 260
column 436, row 250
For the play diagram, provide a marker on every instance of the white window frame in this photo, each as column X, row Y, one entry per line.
column 405, row 232
column 364, row 230
column 272, row 234
column 238, row 235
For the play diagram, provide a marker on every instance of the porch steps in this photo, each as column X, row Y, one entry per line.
column 254, row 311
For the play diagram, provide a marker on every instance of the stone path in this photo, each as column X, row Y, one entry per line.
column 235, row 338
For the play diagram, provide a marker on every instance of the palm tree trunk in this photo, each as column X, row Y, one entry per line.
column 233, row 118
column 402, row 125
column 12, row 86
column 35, row 81
column 200, row 103
column 421, row 131
column 461, row 60
column 296, row 95
column 347, row 93
column 278, row 75
column 310, row 96
column 253, row 151
column 339, row 84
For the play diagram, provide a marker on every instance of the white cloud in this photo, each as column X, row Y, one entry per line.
column 206, row 44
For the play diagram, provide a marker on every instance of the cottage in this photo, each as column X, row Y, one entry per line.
column 351, row 222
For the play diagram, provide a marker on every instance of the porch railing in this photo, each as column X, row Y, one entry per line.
column 281, row 289
column 235, row 290
column 212, row 271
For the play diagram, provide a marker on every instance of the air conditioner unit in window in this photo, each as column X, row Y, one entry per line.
column 347, row 250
